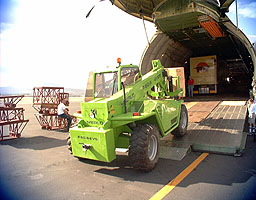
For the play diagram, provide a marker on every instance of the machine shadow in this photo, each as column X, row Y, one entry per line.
column 35, row 143
column 215, row 169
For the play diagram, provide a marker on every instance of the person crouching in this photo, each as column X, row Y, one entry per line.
column 63, row 112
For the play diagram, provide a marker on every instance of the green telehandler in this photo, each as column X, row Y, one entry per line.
column 130, row 111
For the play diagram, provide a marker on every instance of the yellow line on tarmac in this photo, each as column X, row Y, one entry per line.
column 171, row 185
column 190, row 104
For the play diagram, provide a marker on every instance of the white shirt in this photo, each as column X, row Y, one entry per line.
column 61, row 108
column 251, row 109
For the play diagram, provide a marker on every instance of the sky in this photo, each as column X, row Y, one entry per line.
column 246, row 17
column 52, row 43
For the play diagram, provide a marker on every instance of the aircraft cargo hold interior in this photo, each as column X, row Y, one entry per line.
column 233, row 62
column 192, row 29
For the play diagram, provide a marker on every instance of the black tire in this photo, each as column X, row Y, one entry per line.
column 69, row 143
column 181, row 130
column 144, row 147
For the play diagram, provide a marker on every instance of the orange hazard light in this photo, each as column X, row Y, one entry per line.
column 119, row 60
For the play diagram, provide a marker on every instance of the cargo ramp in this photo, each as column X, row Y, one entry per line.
column 214, row 126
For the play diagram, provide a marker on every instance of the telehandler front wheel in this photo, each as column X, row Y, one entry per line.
column 183, row 124
column 144, row 147
column 69, row 143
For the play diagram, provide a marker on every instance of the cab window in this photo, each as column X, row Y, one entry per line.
column 129, row 75
column 106, row 84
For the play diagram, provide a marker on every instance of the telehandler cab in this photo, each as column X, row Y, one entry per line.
column 130, row 111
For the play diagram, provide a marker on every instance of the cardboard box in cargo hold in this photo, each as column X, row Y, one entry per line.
column 175, row 72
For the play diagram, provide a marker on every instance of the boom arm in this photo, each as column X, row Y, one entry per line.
column 162, row 86
column 157, row 79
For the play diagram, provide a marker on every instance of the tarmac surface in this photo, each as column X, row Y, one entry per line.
column 39, row 166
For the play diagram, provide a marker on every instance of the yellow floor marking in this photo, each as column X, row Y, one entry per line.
column 171, row 185
column 190, row 104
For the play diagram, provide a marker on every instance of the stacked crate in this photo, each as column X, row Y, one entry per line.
column 46, row 101
column 12, row 121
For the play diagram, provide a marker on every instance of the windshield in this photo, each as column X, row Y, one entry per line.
column 106, row 84
column 129, row 75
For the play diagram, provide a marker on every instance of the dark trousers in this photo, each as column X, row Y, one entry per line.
column 190, row 90
column 69, row 119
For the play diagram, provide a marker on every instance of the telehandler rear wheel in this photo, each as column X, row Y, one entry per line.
column 144, row 147
column 182, row 128
column 69, row 143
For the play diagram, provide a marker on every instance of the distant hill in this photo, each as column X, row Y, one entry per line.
column 75, row 92
column 15, row 91
column 29, row 91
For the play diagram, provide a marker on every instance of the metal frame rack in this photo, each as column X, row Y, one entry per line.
column 46, row 101
column 12, row 121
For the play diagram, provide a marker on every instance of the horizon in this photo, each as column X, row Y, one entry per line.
column 12, row 91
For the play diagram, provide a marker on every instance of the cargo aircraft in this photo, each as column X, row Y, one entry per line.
column 188, row 29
